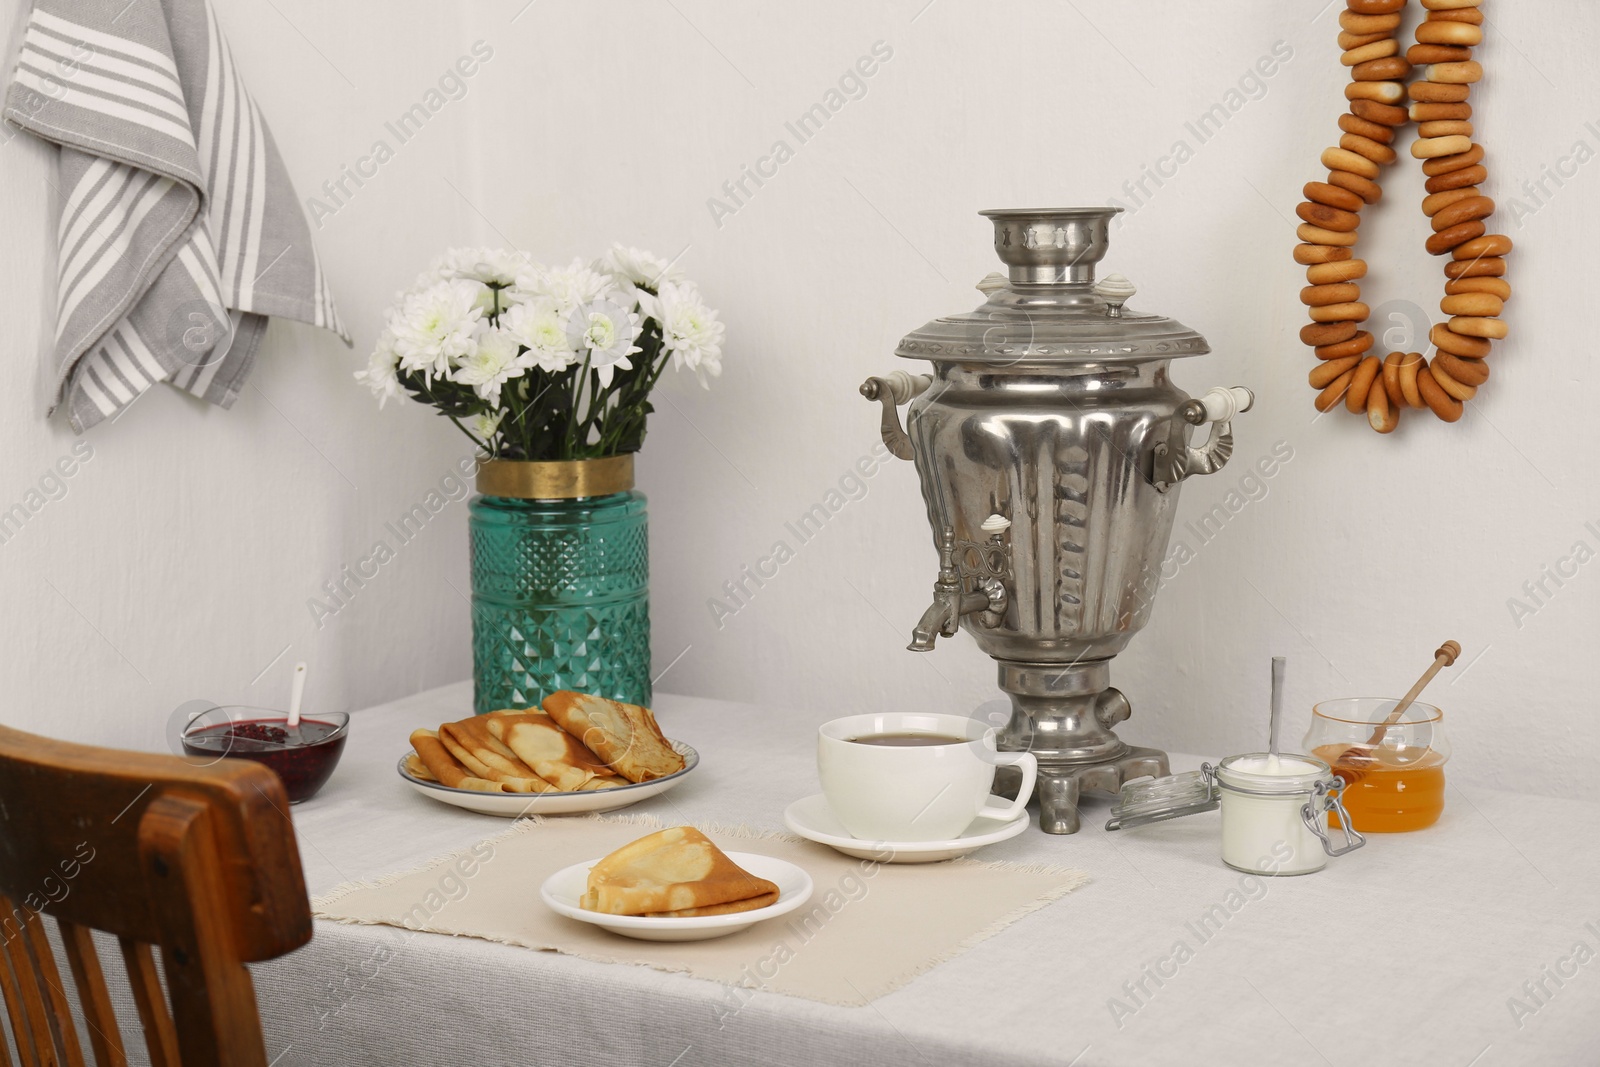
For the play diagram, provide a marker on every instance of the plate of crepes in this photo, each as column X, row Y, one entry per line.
column 676, row 885
column 581, row 753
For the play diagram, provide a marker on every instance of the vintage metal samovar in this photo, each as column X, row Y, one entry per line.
column 1051, row 446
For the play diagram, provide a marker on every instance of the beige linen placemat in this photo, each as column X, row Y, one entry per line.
column 868, row 929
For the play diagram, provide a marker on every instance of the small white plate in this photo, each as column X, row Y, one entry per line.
column 813, row 820
column 515, row 805
column 562, row 891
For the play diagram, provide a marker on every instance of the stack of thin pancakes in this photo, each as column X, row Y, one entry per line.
column 677, row 873
column 516, row 751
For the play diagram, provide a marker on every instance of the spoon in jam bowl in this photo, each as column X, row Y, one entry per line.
column 297, row 693
column 1361, row 756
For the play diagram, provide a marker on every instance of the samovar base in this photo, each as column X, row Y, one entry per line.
column 1060, row 786
column 1065, row 716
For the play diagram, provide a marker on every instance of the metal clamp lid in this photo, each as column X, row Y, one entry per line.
column 1326, row 797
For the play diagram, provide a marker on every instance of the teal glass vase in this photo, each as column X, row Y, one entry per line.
column 560, row 585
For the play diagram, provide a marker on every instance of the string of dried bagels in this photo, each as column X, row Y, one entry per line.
column 1475, row 287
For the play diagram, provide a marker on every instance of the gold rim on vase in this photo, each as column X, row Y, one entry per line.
column 562, row 479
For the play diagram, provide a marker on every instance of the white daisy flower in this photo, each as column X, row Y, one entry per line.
column 488, row 303
column 437, row 327
column 690, row 331
column 513, row 295
column 540, row 326
column 443, row 269
column 380, row 375
column 486, row 425
column 569, row 287
column 499, row 266
column 639, row 267
column 710, row 367
column 495, row 362
column 649, row 305
column 604, row 333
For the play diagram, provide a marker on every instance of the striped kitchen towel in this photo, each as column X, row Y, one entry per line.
column 179, row 228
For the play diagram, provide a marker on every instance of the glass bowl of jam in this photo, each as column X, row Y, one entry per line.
column 1395, row 785
column 303, row 759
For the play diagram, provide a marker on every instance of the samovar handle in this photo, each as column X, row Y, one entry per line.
column 894, row 389
column 1176, row 459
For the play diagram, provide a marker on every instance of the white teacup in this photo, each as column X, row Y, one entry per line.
column 915, row 791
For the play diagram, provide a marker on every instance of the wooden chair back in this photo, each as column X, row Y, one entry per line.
column 199, row 862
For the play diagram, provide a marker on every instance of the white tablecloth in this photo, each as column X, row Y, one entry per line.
column 1411, row 952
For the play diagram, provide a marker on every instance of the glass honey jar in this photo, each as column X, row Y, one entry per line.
column 1393, row 785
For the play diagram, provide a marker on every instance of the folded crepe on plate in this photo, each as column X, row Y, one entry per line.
column 486, row 756
column 674, row 873
column 417, row 769
column 554, row 755
column 446, row 769
column 624, row 736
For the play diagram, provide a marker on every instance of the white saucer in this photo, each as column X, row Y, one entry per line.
column 516, row 805
column 562, row 891
column 813, row 820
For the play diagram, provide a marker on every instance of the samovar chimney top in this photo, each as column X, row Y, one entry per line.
column 1051, row 246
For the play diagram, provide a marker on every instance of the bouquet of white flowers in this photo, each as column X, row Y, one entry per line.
column 544, row 363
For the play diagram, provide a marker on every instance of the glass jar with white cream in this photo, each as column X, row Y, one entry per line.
column 1275, row 813
column 1274, row 810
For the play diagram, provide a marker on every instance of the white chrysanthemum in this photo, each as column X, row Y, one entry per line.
column 710, row 367
column 499, row 266
column 639, row 267
column 690, row 331
column 442, row 269
column 627, row 296
column 486, row 425
column 539, row 325
column 380, row 374
column 604, row 333
column 495, row 362
column 513, row 295
column 568, row 287
column 649, row 304
column 436, row 328
column 482, row 297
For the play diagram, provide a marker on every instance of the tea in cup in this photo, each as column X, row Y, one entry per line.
column 915, row 777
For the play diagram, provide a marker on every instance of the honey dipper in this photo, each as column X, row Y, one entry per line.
column 1355, row 757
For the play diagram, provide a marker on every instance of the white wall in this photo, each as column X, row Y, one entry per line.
column 194, row 537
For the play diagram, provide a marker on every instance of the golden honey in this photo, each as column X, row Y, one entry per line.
column 1385, row 795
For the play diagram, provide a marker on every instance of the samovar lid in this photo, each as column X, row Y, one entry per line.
column 1050, row 309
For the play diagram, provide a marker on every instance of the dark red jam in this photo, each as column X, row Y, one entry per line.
column 304, row 766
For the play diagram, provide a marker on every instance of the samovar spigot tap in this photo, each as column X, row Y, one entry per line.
column 951, row 600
